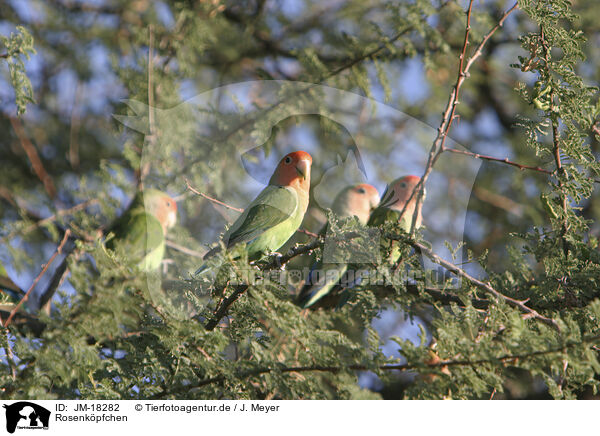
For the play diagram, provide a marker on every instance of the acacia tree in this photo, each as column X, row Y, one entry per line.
column 514, row 315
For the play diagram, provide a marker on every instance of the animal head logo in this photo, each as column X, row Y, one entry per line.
column 26, row 415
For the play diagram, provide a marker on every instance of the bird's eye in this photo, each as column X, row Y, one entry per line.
column 361, row 190
column 288, row 160
column 403, row 185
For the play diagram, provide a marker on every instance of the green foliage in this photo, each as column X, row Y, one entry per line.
column 20, row 43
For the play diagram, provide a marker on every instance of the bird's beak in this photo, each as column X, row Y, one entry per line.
column 172, row 219
column 303, row 167
column 374, row 202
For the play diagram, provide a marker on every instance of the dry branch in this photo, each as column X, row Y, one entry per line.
column 448, row 116
column 37, row 279
column 34, row 157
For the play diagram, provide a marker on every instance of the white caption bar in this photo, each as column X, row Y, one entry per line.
column 310, row 418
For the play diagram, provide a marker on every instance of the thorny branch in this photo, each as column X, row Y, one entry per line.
column 211, row 199
column 34, row 157
column 499, row 160
column 551, row 113
column 37, row 279
column 274, row 263
column 438, row 146
column 485, row 287
column 397, row 367
column 50, row 219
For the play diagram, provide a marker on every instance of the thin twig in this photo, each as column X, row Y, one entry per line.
column 183, row 249
column 486, row 38
column 10, row 356
column 75, row 127
column 395, row 367
column 34, row 158
column 448, row 116
column 51, row 218
column 276, row 262
column 214, row 200
column 37, row 279
column 551, row 114
column 499, row 160
column 485, row 287
column 308, row 233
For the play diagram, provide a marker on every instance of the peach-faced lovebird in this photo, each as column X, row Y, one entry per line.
column 276, row 213
column 141, row 231
column 390, row 208
column 356, row 200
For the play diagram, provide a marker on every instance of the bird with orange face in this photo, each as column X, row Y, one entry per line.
column 355, row 200
column 276, row 213
column 397, row 206
column 140, row 233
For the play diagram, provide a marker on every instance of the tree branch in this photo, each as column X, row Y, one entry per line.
column 485, row 287
column 551, row 114
column 505, row 161
column 34, row 158
column 48, row 220
column 37, row 279
column 274, row 263
column 395, row 367
column 213, row 200
column 183, row 249
column 448, row 116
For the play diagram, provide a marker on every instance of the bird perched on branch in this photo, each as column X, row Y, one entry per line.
column 275, row 214
column 395, row 199
column 141, row 231
column 389, row 209
column 355, row 200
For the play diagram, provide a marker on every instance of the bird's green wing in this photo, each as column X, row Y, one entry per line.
column 273, row 206
column 382, row 215
column 321, row 281
column 141, row 237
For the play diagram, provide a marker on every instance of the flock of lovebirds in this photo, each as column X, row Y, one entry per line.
column 267, row 223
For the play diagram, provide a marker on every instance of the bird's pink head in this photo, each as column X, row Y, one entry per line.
column 293, row 170
column 358, row 200
column 399, row 192
column 368, row 192
column 162, row 206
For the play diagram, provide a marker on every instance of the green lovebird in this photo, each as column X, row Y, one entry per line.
column 390, row 208
column 356, row 200
column 141, row 231
column 275, row 214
